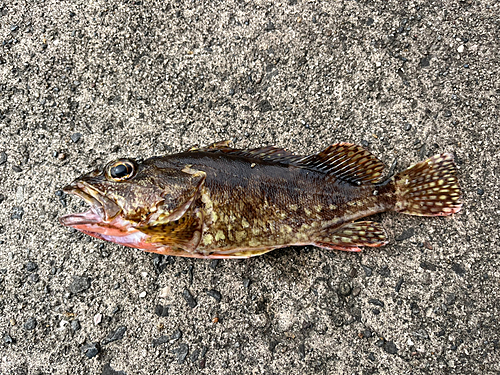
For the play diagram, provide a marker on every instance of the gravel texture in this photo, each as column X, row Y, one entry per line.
column 84, row 82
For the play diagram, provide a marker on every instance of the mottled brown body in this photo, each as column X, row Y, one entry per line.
column 222, row 202
column 251, row 204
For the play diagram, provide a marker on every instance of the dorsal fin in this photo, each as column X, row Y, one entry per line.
column 268, row 153
column 347, row 162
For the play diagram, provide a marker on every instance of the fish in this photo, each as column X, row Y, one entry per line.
column 222, row 202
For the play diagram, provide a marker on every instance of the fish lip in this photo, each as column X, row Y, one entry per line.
column 102, row 209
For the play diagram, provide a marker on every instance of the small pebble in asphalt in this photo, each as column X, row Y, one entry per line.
column 194, row 356
column 115, row 336
column 30, row 266
column 269, row 26
column 344, row 289
column 34, row 278
column 302, row 351
column 182, row 352
column 30, row 324
column 390, row 347
column 79, row 284
column 17, row 213
column 97, row 318
column 191, row 301
column 399, row 284
column 8, row 339
column 408, row 233
column 90, row 350
column 176, row 335
column 160, row 340
column 376, row 302
column 214, row 294
column 458, row 269
column 384, row 271
column 108, row 370
column 75, row 137
column 161, row 310
column 414, row 308
column 75, row 325
column 368, row 271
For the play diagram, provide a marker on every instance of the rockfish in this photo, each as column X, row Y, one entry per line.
column 220, row 202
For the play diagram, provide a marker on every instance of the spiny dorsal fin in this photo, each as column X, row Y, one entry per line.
column 268, row 153
column 347, row 162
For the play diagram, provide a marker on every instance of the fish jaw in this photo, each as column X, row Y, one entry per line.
column 118, row 230
column 104, row 219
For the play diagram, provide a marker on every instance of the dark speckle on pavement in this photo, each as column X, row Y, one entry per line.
column 390, row 347
column 458, row 269
column 108, row 370
column 75, row 137
column 30, row 324
column 214, row 294
column 161, row 310
column 114, row 335
column 188, row 297
column 79, row 284
column 90, row 350
column 181, row 352
column 408, row 233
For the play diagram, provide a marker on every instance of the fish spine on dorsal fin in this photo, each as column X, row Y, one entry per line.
column 268, row 153
column 347, row 162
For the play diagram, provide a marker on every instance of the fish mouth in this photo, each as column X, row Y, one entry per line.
column 102, row 209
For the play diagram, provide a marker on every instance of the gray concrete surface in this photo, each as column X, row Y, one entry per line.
column 143, row 78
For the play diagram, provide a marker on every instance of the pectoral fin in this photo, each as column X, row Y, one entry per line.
column 183, row 233
column 352, row 235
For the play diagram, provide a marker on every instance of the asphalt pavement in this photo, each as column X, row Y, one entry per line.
column 85, row 82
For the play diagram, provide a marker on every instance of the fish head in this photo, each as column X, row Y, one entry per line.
column 125, row 196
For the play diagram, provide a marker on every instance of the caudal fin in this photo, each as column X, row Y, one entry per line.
column 429, row 188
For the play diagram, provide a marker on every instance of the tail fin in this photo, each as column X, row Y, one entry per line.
column 429, row 188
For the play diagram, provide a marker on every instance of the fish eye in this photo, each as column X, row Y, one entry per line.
column 121, row 170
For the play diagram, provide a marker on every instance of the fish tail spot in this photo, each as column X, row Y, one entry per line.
column 429, row 188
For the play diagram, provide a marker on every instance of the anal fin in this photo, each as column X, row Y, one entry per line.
column 350, row 236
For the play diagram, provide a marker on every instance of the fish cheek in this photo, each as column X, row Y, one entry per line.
column 177, row 198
